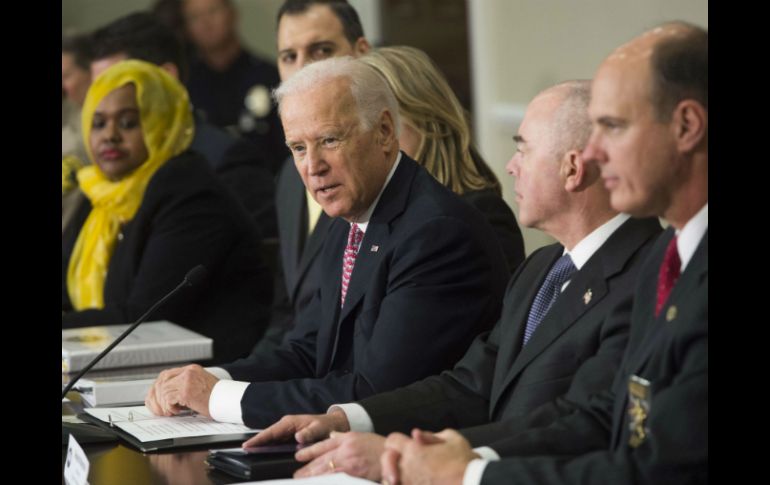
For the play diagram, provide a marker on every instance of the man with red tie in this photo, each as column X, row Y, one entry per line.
column 649, row 109
column 410, row 272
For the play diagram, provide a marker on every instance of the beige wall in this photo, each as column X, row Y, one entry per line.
column 521, row 47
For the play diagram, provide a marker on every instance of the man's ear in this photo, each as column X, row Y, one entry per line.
column 386, row 128
column 361, row 47
column 577, row 172
column 690, row 125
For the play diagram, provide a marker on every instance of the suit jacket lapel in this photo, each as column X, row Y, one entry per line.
column 330, row 293
column 567, row 310
column 391, row 204
column 515, row 318
column 696, row 270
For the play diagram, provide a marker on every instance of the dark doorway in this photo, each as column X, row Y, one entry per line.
column 440, row 28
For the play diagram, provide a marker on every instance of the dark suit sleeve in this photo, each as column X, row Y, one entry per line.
column 243, row 171
column 188, row 227
column 438, row 278
column 456, row 398
column 294, row 358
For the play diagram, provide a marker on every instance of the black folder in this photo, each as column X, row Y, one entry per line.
column 254, row 466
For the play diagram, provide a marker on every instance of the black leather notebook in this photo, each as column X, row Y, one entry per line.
column 260, row 463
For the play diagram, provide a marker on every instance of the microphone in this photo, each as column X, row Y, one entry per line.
column 193, row 277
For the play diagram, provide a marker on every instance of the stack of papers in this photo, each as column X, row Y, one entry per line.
column 114, row 391
column 151, row 343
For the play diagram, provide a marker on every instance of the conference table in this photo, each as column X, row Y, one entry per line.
column 118, row 462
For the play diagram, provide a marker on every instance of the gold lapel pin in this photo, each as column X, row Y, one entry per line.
column 587, row 296
column 671, row 313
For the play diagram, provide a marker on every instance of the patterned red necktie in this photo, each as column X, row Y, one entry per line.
column 669, row 273
column 355, row 236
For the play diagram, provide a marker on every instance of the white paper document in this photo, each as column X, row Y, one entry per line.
column 145, row 426
column 333, row 479
column 77, row 465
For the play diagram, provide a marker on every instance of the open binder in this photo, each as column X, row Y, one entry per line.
column 125, row 428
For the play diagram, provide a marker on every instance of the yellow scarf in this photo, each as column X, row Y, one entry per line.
column 167, row 127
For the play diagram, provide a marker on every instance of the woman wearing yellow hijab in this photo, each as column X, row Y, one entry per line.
column 156, row 211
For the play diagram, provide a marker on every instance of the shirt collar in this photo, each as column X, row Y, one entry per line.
column 363, row 221
column 587, row 246
column 691, row 234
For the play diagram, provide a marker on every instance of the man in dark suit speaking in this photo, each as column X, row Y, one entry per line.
column 554, row 317
column 307, row 31
column 649, row 108
column 411, row 273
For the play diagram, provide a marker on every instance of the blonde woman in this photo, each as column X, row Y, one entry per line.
column 155, row 210
column 435, row 132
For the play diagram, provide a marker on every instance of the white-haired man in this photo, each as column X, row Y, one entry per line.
column 412, row 273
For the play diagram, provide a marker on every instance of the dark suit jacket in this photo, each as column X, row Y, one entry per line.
column 498, row 379
column 297, row 274
column 186, row 218
column 242, row 169
column 673, row 357
column 500, row 216
column 300, row 262
column 428, row 278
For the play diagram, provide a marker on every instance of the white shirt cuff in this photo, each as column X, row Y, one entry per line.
column 225, row 401
column 474, row 471
column 219, row 373
column 358, row 418
column 487, row 453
